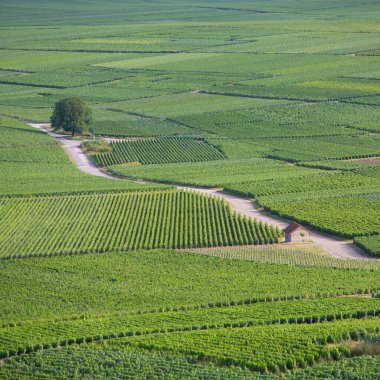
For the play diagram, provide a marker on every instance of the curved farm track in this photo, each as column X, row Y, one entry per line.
column 75, row 152
column 342, row 249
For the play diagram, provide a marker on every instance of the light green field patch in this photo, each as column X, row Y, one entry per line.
column 174, row 105
column 361, row 86
column 120, row 41
column 307, row 42
column 214, row 173
column 35, row 114
column 146, row 62
column 53, row 60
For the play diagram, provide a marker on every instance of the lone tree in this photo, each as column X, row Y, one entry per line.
column 72, row 115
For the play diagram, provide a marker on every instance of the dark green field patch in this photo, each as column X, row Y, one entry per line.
column 159, row 151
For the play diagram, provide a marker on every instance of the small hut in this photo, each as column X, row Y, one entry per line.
column 296, row 233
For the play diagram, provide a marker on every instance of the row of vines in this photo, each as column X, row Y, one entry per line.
column 17, row 339
column 123, row 221
column 159, row 151
column 293, row 257
column 80, row 361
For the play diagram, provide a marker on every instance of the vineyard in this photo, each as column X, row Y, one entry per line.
column 33, row 163
column 121, row 278
column 214, row 173
column 293, row 257
column 124, row 363
column 310, row 322
column 261, row 349
column 345, row 216
column 318, row 119
column 159, row 151
column 158, row 278
column 370, row 244
column 39, row 226
column 313, row 185
column 340, row 202
column 323, row 148
column 116, row 363
column 210, row 317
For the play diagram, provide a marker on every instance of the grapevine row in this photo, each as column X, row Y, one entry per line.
column 280, row 255
column 157, row 151
column 124, row 221
column 27, row 338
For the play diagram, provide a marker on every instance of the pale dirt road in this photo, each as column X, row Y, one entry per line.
column 336, row 248
column 75, row 152
column 341, row 249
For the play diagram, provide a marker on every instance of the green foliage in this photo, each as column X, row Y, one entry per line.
column 298, row 83
column 291, row 120
column 343, row 203
column 96, row 146
column 112, row 123
column 366, row 167
column 311, row 185
column 74, row 362
column 78, row 362
column 259, row 348
column 214, row 173
column 255, row 312
column 124, row 221
column 364, row 368
column 72, row 115
column 346, row 216
column 144, row 281
column 312, row 149
column 33, row 163
column 159, row 151
column 289, row 256
column 370, row 244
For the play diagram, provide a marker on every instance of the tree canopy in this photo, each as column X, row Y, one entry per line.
column 72, row 115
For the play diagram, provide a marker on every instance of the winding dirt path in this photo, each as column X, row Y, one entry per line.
column 75, row 152
column 337, row 248
column 341, row 249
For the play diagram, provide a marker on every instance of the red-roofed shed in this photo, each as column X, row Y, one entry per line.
column 296, row 233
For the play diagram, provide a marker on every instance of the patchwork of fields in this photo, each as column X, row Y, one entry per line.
column 271, row 100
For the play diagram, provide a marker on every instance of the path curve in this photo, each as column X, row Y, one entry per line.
column 336, row 248
column 75, row 152
column 341, row 249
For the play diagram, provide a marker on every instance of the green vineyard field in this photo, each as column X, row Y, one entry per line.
column 370, row 244
column 207, row 317
column 261, row 349
column 111, row 270
column 99, row 285
column 345, row 216
column 363, row 368
column 143, row 281
column 95, row 362
column 123, row 221
column 159, row 151
column 292, row 256
column 34, row 163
